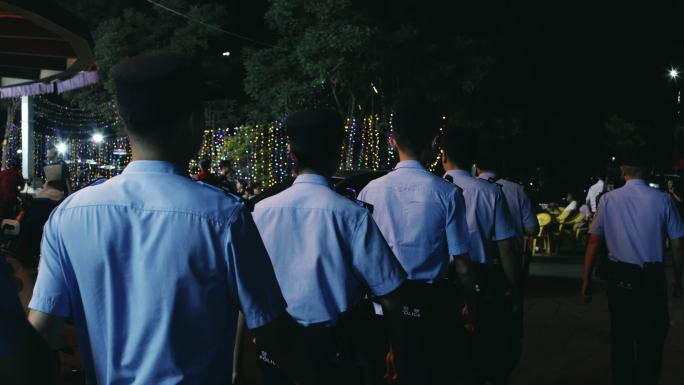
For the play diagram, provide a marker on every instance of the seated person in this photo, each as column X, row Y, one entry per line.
column 572, row 204
column 52, row 190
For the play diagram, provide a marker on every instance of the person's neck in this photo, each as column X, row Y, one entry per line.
column 404, row 156
column 312, row 172
column 450, row 167
column 630, row 177
column 142, row 152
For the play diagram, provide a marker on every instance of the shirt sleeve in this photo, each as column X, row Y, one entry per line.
column 51, row 292
column 457, row 233
column 251, row 279
column 373, row 260
column 503, row 226
column 597, row 225
column 675, row 227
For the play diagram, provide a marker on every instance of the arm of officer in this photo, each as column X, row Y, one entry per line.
column 675, row 231
column 511, row 262
column 678, row 263
column 509, row 255
column 50, row 303
column 253, row 285
column 593, row 247
column 48, row 326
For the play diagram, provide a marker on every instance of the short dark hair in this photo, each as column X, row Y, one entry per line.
column 415, row 124
column 225, row 163
column 315, row 139
column 205, row 164
column 458, row 145
column 155, row 91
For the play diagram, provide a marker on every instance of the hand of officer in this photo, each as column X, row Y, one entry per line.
column 469, row 317
column 586, row 292
column 391, row 374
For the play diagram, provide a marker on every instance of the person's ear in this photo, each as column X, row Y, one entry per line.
column 293, row 156
column 393, row 143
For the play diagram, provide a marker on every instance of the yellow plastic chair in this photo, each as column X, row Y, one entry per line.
column 569, row 223
column 567, row 227
column 544, row 220
column 563, row 216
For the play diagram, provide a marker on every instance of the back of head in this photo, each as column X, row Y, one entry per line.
column 415, row 124
column 205, row 164
column 315, row 139
column 458, row 144
column 155, row 92
column 635, row 161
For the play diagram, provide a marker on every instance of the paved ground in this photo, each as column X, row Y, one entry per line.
column 566, row 341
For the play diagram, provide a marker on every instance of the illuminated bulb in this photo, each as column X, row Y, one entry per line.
column 226, row 53
column 61, row 148
column 98, row 138
column 674, row 73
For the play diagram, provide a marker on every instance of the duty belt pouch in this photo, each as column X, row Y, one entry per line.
column 625, row 276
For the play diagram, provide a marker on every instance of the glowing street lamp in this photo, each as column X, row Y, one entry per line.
column 674, row 74
column 98, row 138
column 61, row 148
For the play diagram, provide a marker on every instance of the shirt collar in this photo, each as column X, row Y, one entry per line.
column 635, row 182
column 409, row 164
column 459, row 173
column 152, row 167
column 312, row 178
column 487, row 175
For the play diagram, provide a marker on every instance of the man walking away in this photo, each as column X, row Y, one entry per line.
column 152, row 266
column 326, row 250
column 634, row 221
column 422, row 217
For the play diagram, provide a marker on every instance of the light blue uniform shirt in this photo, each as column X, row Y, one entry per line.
column 325, row 250
column 153, row 267
column 486, row 213
column 519, row 205
column 634, row 220
column 422, row 217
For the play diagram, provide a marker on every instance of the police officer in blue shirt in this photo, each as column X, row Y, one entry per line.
column 634, row 222
column 326, row 249
column 423, row 219
column 496, row 260
column 151, row 266
column 519, row 205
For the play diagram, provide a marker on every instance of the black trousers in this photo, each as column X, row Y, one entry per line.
column 319, row 346
column 639, row 320
column 428, row 336
column 496, row 344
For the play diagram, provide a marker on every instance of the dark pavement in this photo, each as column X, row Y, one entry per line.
column 567, row 341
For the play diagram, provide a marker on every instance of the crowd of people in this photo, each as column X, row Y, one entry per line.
column 226, row 179
column 423, row 283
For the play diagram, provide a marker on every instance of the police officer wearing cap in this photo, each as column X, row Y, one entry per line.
column 326, row 250
column 496, row 261
column 422, row 217
column 634, row 222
